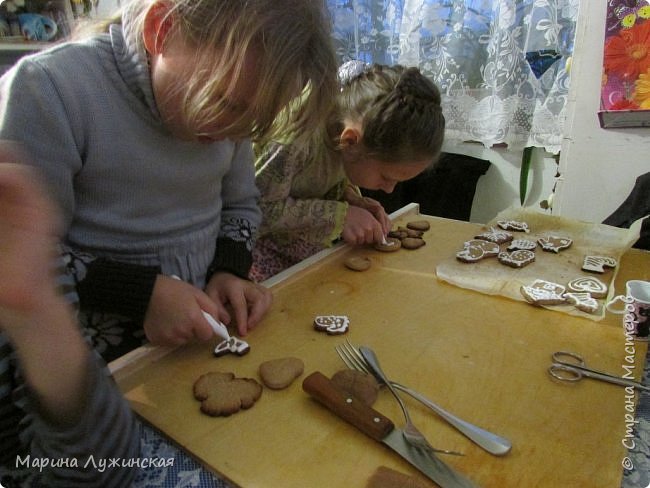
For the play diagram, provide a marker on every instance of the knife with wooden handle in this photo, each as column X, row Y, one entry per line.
column 381, row 429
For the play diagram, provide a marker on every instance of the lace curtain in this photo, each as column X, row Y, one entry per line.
column 501, row 65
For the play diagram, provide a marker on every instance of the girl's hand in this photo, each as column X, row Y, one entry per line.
column 175, row 313
column 249, row 301
column 369, row 204
column 361, row 227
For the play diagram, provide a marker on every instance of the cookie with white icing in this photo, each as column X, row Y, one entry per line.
column 513, row 225
column 554, row 243
column 589, row 284
column 517, row 259
column 597, row 264
column 233, row 346
column 582, row 301
column 495, row 235
column 476, row 249
column 391, row 244
column 522, row 244
column 332, row 324
column 543, row 292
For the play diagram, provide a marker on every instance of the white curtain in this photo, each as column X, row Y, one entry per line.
column 501, row 65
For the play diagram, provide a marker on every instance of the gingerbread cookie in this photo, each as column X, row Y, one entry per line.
column 421, row 225
column 589, row 284
column 221, row 394
column 554, row 243
column 360, row 385
column 391, row 244
column 582, row 301
column 522, row 244
column 477, row 249
column 399, row 233
column 332, row 324
column 357, row 263
column 513, row 225
column 517, row 259
column 597, row 264
column 278, row 374
column 495, row 235
column 232, row 345
column 542, row 292
column 412, row 243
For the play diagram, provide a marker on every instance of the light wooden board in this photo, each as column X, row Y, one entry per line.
column 482, row 357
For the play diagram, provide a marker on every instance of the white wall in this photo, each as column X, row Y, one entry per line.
column 498, row 189
column 598, row 166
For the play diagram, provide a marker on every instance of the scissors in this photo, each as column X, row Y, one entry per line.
column 570, row 366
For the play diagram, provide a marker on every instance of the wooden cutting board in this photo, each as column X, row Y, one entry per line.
column 482, row 357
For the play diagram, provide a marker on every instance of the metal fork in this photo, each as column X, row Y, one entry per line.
column 492, row 443
column 367, row 359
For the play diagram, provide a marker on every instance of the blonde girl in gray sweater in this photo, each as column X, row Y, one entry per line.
column 143, row 133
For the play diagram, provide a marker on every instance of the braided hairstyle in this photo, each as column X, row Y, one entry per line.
column 399, row 111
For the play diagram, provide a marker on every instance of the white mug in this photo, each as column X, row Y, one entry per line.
column 636, row 307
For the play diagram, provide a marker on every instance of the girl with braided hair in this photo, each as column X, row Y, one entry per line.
column 387, row 126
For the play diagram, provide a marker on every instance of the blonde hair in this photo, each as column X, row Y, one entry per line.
column 399, row 110
column 290, row 39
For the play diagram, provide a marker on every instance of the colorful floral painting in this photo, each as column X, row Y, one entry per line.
column 625, row 94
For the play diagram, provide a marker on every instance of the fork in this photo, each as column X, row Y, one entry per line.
column 410, row 432
column 490, row 442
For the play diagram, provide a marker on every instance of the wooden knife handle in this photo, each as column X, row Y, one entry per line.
column 364, row 418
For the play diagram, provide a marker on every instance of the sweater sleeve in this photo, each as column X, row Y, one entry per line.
column 318, row 220
column 35, row 451
column 240, row 216
column 33, row 114
column 106, row 431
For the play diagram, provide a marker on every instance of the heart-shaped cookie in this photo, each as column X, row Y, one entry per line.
column 278, row 374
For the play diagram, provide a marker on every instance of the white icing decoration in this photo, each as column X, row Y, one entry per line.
column 495, row 235
column 332, row 324
column 477, row 249
column 588, row 284
column 583, row 301
column 518, row 258
column 522, row 244
column 597, row 263
column 554, row 243
column 544, row 292
column 233, row 345
column 513, row 225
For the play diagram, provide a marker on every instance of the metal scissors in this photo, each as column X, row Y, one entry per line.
column 570, row 366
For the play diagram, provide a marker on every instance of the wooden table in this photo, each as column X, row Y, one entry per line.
column 481, row 357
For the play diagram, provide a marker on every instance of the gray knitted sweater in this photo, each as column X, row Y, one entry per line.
column 132, row 195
